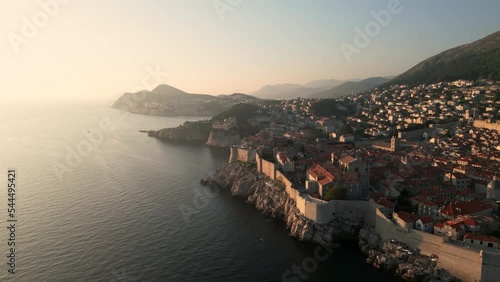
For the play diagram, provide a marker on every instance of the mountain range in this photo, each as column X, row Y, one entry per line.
column 292, row 91
column 323, row 88
column 351, row 87
column 476, row 60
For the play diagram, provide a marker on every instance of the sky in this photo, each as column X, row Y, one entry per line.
column 96, row 50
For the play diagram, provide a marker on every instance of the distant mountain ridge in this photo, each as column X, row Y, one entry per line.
column 166, row 100
column 476, row 60
column 292, row 91
column 351, row 87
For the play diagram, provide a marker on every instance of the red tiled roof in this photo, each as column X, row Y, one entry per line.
column 458, row 226
column 283, row 157
column 383, row 201
column 472, row 207
column 482, row 237
column 426, row 219
column 439, row 224
column 450, row 210
column 471, row 222
column 320, row 174
column 428, row 203
column 406, row 216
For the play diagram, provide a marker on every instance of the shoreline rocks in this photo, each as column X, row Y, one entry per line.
column 399, row 259
column 220, row 138
column 242, row 180
column 200, row 132
column 189, row 131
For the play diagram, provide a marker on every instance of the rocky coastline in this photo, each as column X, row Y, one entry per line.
column 399, row 259
column 220, row 138
column 189, row 131
column 200, row 132
column 242, row 180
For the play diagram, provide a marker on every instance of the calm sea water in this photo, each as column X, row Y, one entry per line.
column 112, row 211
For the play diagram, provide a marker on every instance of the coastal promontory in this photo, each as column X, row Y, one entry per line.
column 165, row 100
column 223, row 130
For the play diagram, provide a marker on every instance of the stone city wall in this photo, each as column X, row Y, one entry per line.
column 467, row 264
column 484, row 124
column 242, row 155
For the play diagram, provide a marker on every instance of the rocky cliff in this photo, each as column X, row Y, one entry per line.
column 221, row 138
column 398, row 258
column 198, row 132
column 243, row 180
column 189, row 131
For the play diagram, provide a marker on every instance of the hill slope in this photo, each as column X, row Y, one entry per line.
column 284, row 91
column 292, row 91
column 351, row 87
column 476, row 60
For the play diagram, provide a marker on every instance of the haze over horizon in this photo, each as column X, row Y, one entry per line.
column 93, row 50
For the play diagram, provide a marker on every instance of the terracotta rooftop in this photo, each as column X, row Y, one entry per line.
column 346, row 159
column 426, row 219
column 439, row 224
column 450, row 210
column 482, row 237
column 384, row 202
column 472, row 207
column 406, row 216
column 320, row 174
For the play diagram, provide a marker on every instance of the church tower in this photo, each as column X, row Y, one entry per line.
column 394, row 144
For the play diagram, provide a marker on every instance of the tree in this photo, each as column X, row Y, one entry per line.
column 346, row 129
column 336, row 193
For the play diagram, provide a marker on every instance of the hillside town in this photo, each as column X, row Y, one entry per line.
column 430, row 154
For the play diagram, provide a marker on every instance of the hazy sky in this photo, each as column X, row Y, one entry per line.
column 87, row 49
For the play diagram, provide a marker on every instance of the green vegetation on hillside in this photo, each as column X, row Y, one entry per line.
column 327, row 107
column 477, row 60
column 242, row 112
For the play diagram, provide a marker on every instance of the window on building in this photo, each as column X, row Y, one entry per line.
column 490, row 245
column 481, row 242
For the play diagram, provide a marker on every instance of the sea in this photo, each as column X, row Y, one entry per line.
column 97, row 200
